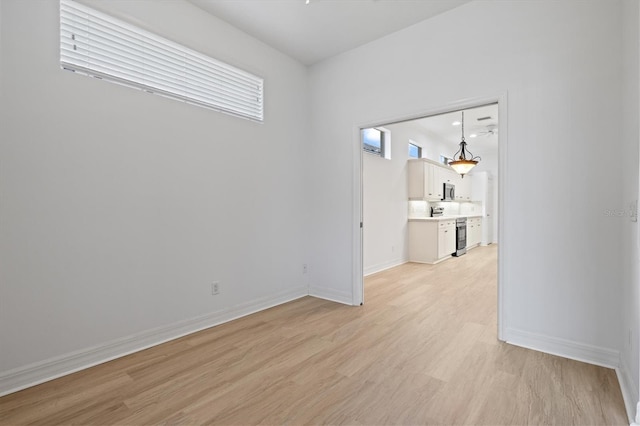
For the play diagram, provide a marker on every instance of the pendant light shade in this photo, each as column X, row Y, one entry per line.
column 465, row 159
column 462, row 167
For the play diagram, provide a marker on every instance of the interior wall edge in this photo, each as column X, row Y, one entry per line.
column 331, row 295
column 591, row 354
column 628, row 389
column 44, row 371
column 373, row 269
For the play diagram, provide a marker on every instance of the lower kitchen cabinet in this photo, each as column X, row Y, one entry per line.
column 474, row 231
column 431, row 241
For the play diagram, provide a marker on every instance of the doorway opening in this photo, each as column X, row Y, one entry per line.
column 385, row 204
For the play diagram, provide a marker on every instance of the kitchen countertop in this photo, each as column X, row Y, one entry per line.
column 435, row 219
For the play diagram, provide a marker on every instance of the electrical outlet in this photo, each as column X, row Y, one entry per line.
column 215, row 288
column 305, row 268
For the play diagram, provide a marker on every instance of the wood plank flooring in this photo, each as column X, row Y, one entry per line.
column 422, row 350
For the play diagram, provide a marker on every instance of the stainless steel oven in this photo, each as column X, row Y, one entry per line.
column 461, row 236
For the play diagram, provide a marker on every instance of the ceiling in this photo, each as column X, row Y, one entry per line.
column 323, row 28
column 441, row 128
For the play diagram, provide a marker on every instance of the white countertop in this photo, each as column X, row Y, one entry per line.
column 435, row 219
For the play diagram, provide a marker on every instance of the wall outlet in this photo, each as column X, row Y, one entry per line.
column 215, row 288
column 305, row 268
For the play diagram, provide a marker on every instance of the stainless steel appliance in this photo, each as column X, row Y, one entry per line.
column 449, row 192
column 461, row 236
column 437, row 211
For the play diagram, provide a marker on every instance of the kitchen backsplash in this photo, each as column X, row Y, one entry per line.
column 420, row 208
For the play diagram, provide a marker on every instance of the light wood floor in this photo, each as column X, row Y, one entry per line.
column 422, row 350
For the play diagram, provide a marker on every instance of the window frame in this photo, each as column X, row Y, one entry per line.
column 385, row 142
column 419, row 148
column 98, row 45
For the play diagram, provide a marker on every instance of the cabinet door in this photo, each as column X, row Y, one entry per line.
column 416, row 179
column 446, row 239
column 472, row 233
column 465, row 189
column 424, row 181
column 479, row 232
column 435, row 182
column 429, row 183
column 447, row 175
column 451, row 239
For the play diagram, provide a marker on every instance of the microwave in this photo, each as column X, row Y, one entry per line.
column 449, row 192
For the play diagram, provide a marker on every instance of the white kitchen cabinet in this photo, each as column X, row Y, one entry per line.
column 431, row 241
column 447, row 175
column 463, row 188
column 446, row 238
column 474, row 231
column 424, row 180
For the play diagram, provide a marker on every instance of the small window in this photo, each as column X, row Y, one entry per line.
column 445, row 160
column 415, row 151
column 98, row 45
column 377, row 141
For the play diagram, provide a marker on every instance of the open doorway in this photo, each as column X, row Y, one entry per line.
column 386, row 150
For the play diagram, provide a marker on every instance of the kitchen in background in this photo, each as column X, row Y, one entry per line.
column 404, row 185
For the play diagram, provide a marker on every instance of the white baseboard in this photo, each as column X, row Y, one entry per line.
column 629, row 391
column 333, row 295
column 369, row 270
column 565, row 348
column 33, row 374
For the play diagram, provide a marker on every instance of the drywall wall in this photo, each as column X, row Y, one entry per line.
column 629, row 238
column 558, row 66
column 119, row 208
column 385, row 208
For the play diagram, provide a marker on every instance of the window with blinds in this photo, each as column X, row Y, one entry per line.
column 99, row 45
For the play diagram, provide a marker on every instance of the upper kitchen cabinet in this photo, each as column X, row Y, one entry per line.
column 424, row 180
column 463, row 188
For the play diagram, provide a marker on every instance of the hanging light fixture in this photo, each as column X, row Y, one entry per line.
column 462, row 165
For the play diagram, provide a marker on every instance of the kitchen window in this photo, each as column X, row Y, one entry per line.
column 377, row 141
column 415, row 151
column 98, row 45
column 445, row 160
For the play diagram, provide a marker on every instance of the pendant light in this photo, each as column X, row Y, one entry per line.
column 463, row 165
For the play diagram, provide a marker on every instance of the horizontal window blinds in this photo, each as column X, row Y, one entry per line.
column 98, row 45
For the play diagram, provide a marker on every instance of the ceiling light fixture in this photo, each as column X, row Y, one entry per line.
column 463, row 165
column 455, row 123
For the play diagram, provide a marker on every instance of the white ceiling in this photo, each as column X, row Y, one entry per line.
column 441, row 128
column 323, row 28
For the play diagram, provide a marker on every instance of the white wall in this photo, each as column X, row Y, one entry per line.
column 385, row 210
column 559, row 64
column 119, row 208
column 629, row 355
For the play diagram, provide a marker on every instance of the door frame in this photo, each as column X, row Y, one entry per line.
column 503, row 217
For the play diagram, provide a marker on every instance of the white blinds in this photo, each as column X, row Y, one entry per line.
column 101, row 46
